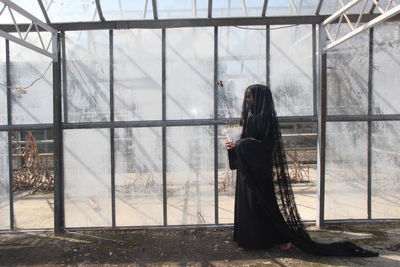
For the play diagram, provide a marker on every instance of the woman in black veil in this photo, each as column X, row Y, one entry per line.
column 265, row 209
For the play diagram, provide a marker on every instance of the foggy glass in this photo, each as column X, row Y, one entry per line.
column 241, row 62
column 291, row 70
column 137, row 75
column 88, row 76
column 190, row 175
column 346, row 170
column 87, row 178
column 138, row 176
column 190, row 73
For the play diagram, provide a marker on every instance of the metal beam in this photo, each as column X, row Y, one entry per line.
column 46, row 16
column 21, row 40
column 155, row 11
column 381, row 18
column 265, row 6
column 197, row 22
column 318, row 10
column 322, row 112
column 59, row 219
column 99, row 10
column 210, row 6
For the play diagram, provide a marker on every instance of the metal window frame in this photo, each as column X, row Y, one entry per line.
column 60, row 85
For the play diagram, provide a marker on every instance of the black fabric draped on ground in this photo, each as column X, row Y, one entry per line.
column 265, row 209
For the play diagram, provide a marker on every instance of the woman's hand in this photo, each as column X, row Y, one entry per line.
column 229, row 144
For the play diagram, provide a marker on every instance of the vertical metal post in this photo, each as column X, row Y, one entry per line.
column 164, row 129
column 59, row 221
column 64, row 80
column 9, row 122
column 322, row 96
column 314, row 68
column 268, row 54
column 370, row 81
column 216, row 206
column 112, row 134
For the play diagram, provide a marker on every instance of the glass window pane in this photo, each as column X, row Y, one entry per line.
column 35, row 103
column 190, row 175
column 386, row 69
column 127, row 9
column 242, row 61
column 88, row 76
column 346, row 170
column 291, row 7
column 347, row 76
column 300, row 144
column 291, row 70
column 137, row 76
column 237, row 8
column 87, row 178
column 4, row 183
column 331, row 6
column 33, row 179
column 182, row 9
column 138, row 177
column 71, row 11
column 3, row 80
column 190, row 73
column 385, row 170
column 226, row 182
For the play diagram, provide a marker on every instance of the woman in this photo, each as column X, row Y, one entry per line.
column 265, row 210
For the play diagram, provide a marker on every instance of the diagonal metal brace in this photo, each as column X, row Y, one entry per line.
column 35, row 23
column 392, row 9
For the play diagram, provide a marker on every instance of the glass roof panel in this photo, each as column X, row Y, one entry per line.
column 127, row 9
column 71, row 10
column 237, row 8
column 29, row 6
column 182, row 9
column 291, row 7
column 331, row 6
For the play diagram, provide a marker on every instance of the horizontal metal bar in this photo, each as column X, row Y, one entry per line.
column 168, row 123
column 388, row 117
column 361, row 221
column 29, row 16
column 195, row 22
column 25, row 43
column 19, row 127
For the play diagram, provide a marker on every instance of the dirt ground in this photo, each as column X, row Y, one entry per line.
column 188, row 247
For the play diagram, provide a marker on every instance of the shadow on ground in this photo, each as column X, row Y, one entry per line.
column 188, row 247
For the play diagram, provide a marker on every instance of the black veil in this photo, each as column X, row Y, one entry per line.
column 261, row 159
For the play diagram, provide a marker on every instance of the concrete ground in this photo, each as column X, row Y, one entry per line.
column 188, row 247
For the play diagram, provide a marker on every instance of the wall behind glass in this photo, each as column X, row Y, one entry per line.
column 190, row 73
column 87, row 76
column 3, row 80
column 346, row 170
column 35, row 104
column 241, row 62
column 386, row 69
column 137, row 74
column 291, row 70
column 347, row 76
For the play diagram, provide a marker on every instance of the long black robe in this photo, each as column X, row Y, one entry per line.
column 265, row 209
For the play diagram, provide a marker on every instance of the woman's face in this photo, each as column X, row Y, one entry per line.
column 249, row 97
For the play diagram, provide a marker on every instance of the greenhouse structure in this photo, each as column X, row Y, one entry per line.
column 112, row 112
